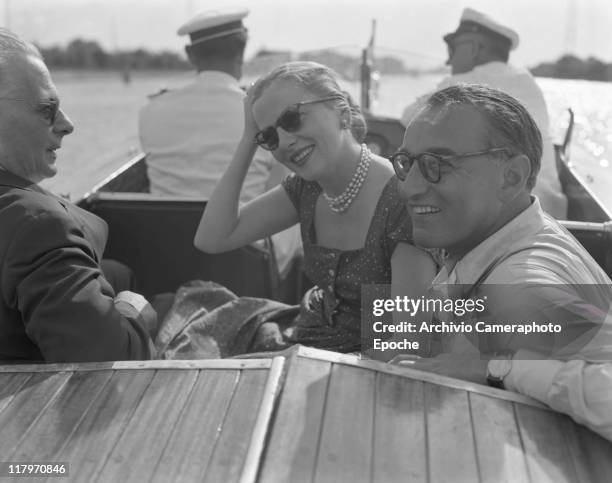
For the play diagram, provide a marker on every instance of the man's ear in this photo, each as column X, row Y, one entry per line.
column 517, row 170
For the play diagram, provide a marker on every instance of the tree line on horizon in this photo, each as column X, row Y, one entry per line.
column 87, row 54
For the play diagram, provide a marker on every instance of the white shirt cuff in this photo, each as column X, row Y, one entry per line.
column 532, row 376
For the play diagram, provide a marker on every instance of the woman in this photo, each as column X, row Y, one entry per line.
column 355, row 229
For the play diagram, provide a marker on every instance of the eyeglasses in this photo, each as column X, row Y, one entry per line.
column 48, row 110
column 290, row 120
column 431, row 164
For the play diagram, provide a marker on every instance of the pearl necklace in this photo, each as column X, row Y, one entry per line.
column 341, row 203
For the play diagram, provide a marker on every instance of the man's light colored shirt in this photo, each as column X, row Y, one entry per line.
column 543, row 252
column 189, row 136
column 518, row 83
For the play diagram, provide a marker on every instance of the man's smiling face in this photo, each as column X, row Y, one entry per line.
column 463, row 208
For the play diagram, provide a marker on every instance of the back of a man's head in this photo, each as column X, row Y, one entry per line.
column 509, row 123
column 222, row 53
column 493, row 48
column 479, row 39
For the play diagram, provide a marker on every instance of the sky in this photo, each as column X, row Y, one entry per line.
column 409, row 29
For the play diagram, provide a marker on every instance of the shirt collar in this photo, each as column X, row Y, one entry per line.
column 494, row 66
column 473, row 264
column 216, row 76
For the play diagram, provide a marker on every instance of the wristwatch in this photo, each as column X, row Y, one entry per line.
column 498, row 367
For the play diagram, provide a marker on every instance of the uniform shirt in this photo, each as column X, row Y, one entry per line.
column 518, row 83
column 534, row 249
column 189, row 136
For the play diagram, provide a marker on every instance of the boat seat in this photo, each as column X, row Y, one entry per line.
column 153, row 235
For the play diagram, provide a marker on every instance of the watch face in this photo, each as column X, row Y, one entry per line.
column 499, row 368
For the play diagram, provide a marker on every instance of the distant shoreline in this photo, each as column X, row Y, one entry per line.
column 86, row 55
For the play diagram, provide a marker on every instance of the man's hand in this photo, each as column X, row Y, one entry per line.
column 469, row 368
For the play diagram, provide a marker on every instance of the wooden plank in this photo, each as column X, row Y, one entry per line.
column 345, row 450
column 195, row 434
column 89, row 446
column 499, row 448
column 149, row 428
column 450, row 439
column 406, row 371
column 60, row 418
column 399, row 430
column 293, row 445
column 591, row 454
column 262, row 424
column 130, row 365
column 548, row 456
column 230, row 451
column 26, row 406
column 10, row 384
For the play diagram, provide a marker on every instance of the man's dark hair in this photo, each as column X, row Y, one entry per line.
column 226, row 48
column 498, row 48
column 509, row 125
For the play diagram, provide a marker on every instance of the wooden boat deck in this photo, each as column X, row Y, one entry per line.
column 309, row 416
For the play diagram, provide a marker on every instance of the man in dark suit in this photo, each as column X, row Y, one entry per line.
column 55, row 303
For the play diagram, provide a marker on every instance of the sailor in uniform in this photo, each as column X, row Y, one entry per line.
column 478, row 53
column 189, row 134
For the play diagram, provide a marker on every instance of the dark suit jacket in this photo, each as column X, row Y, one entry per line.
column 55, row 304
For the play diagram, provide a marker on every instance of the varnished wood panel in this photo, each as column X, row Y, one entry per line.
column 189, row 449
column 591, row 455
column 450, row 439
column 399, row 452
column 293, row 445
column 60, row 418
column 103, row 423
column 145, row 436
column 228, row 457
column 499, row 448
column 345, row 451
column 9, row 386
column 548, row 456
column 26, row 406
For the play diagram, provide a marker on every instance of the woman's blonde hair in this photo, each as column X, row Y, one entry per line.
column 318, row 79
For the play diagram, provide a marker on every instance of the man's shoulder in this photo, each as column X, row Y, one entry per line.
column 195, row 96
column 551, row 257
column 158, row 93
column 19, row 205
column 495, row 74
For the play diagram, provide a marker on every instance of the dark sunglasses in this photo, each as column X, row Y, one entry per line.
column 430, row 164
column 290, row 120
column 48, row 110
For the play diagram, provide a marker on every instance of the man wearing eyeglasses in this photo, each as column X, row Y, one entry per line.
column 468, row 165
column 478, row 53
column 55, row 303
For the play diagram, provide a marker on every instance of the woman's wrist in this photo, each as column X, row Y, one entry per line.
column 247, row 142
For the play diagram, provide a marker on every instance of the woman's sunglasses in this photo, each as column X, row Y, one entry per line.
column 290, row 120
